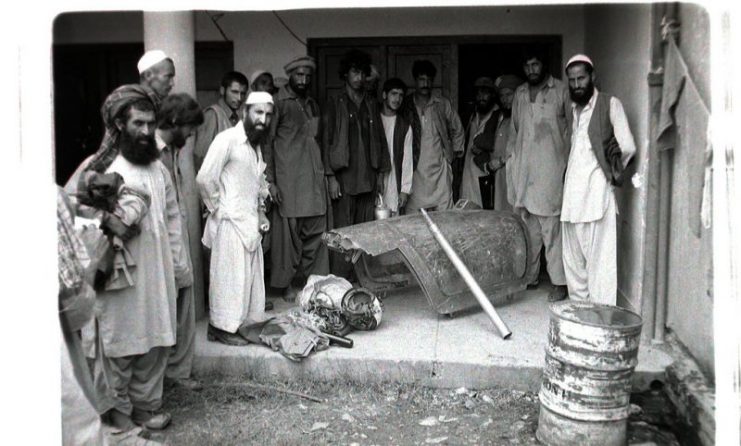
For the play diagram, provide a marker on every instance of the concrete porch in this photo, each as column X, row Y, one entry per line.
column 414, row 344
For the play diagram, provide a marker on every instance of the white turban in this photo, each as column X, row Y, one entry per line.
column 580, row 58
column 259, row 97
column 150, row 59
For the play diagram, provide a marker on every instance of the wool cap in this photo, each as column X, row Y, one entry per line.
column 579, row 58
column 301, row 61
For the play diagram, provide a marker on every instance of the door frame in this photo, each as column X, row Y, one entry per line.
column 555, row 42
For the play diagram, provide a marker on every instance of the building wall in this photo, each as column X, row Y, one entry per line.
column 690, row 295
column 617, row 39
column 260, row 41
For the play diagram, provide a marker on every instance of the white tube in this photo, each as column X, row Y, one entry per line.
column 478, row 293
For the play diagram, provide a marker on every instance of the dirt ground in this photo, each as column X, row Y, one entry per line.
column 229, row 411
column 233, row 413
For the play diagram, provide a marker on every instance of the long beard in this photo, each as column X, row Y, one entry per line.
column 255, row 136
column 582, row 97
column 140, row 151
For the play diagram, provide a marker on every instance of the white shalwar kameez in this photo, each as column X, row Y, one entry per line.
column 232, row 183
column 589, row 210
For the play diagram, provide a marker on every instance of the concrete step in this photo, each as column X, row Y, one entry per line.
column 414, row 344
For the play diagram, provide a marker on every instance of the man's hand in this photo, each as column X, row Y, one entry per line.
column 380, row 183
column 275, row 193
column 403, row 198
column 334, row 188
column 263, row 223
column 118, row 228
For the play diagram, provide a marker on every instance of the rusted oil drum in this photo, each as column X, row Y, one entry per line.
column 591, row 354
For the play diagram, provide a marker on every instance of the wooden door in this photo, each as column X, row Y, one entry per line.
column 327, row 82
column 400, row 59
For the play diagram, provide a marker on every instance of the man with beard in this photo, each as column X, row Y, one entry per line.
column 480, row 137
column 541, row 114
column 601, row 147
column 157, row 71
column 399, row 142
column 224, row 114
column 355, row 158
column 438, row 139
column 232, row 185
column 297, row 185
column 134, row 327
column 505, row 85
column 177, row 120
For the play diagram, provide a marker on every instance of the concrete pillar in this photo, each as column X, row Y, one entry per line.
column 174, row 33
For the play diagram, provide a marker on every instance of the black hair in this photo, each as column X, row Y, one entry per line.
column 141, row 104
column 534, row 53
column 234, row 76
column 177, row 110
column 355, row 59
column 394, row 84
column 588, row 67
column 421, row 67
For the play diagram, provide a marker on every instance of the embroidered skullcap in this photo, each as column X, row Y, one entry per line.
column 256, row 74
column 579, row 58
column 508, row 81
column 150, row 59
column 259, row 97
column 301, row 61
column 484, row 82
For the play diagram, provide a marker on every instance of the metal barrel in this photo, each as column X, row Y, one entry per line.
column 585, row 394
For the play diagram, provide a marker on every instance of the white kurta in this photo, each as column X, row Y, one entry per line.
column 589, row 210
column 390, row 192
column 470, row 188
column 232, row 183
column 133, row 320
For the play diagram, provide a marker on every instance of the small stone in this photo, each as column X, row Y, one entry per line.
column 319, row 425
column 435, row 440
column 460, row 390
column 363, row 436
column 525, row 417
column 487, row 399
column 469, row 403
column 347, row 417
column 429, row 421
column 372, row 428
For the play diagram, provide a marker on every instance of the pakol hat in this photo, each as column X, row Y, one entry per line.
column 301, row 61
column 508, row 81
column 150, row 59
column 579, row 58
column 484, row 82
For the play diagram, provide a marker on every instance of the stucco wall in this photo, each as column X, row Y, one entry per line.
column 690, row 297
column 617, row 39
column 260, row 41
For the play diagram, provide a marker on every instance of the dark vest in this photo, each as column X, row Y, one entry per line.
column 401, row 126
column 602, row 138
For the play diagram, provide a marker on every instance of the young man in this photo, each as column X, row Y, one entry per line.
column 398, row 182
column 355, row 158
column 224, row 114
column 541, row 115
column 298, row 187
column 505, row 85
column 601, row 147
column 177, row 120
column 439, row 136
column 233, row 188
column 481, row 133
column 135, row 327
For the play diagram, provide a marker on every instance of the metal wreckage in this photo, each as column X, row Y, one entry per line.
column 460, row 258
column 403, row 251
